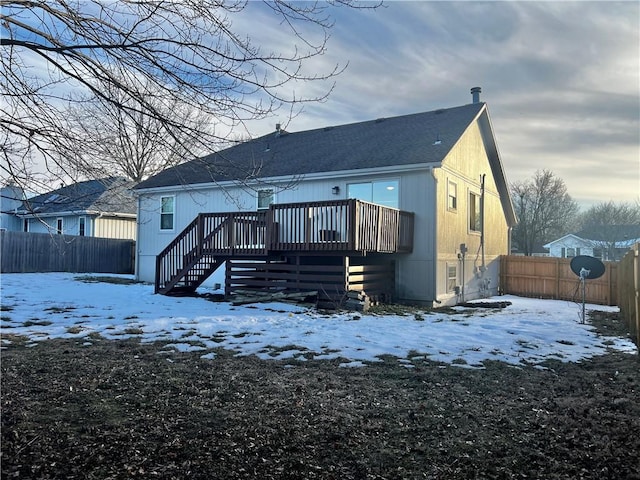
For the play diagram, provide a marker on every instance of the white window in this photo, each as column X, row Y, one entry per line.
column 167, row 212
column 59, row 226
column 82, row 226
column 452, row 196
column 265, row 198
column 382, row 192
column 25, row 225
column 475, row 220
column 452, row 277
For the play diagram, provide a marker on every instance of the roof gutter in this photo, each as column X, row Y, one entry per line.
column 76, row 212
column 287, row 178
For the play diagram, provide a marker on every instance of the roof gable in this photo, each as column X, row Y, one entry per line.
column 562, row 240
column 421, row 138
column 622, row 234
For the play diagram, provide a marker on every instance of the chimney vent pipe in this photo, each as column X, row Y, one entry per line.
column 475, row 94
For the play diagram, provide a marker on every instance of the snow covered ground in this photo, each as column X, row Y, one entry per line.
column 53, row 305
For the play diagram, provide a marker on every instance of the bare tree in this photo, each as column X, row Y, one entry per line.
column 141, row 58
column 611, row 213
column 611, row 226
column 545, row 210
column 133, row 145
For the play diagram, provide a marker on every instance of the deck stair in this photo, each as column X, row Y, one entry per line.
column 192, row 275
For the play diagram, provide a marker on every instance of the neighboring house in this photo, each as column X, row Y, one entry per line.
column 94, row 208
column 415, row 207
column 11, row 198
column 609, row 242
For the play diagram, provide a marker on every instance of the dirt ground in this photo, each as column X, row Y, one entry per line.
column 119, row 409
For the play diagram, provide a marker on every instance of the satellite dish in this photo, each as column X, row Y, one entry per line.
column 587, row 267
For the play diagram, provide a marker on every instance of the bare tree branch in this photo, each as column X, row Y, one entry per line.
column 140, row 59
column 611, row 224
column 545, row 210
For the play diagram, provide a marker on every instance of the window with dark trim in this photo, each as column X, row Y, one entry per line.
column 474, row 212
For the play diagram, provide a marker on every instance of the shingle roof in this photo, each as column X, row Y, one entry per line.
column 404, row 140
column 108, row 195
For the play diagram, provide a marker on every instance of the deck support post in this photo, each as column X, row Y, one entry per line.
column 200, row 234
column 354, row 234
column 345, row 265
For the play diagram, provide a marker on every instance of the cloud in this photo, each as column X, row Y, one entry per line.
column 561, row 80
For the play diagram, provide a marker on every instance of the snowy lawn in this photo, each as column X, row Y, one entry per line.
column 53, row 305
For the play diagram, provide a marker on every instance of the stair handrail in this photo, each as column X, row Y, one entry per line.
column 169, row 248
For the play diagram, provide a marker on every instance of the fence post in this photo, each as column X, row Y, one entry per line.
column 610, row 283
column 557, row 292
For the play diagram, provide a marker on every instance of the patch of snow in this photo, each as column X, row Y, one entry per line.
column 529, row 331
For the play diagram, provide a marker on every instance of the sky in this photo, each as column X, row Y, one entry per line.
column 561, row 81
column 41, row 306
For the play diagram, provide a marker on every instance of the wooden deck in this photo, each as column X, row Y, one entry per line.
column 339, row 228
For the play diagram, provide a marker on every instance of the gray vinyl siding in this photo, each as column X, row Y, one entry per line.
column 415, row 279
column 414, row 196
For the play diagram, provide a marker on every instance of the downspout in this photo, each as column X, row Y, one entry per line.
column 434, row 270
column 462, row 257
column 137, row 244
column 482, row 220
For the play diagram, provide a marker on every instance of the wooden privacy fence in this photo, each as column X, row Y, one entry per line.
column 24, row 252
column 549, row 277
column 629, row 290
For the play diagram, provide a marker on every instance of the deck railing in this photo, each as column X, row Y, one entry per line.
column 331, row 226
column 312, row 226
column 234, row 233
column 341, row 225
